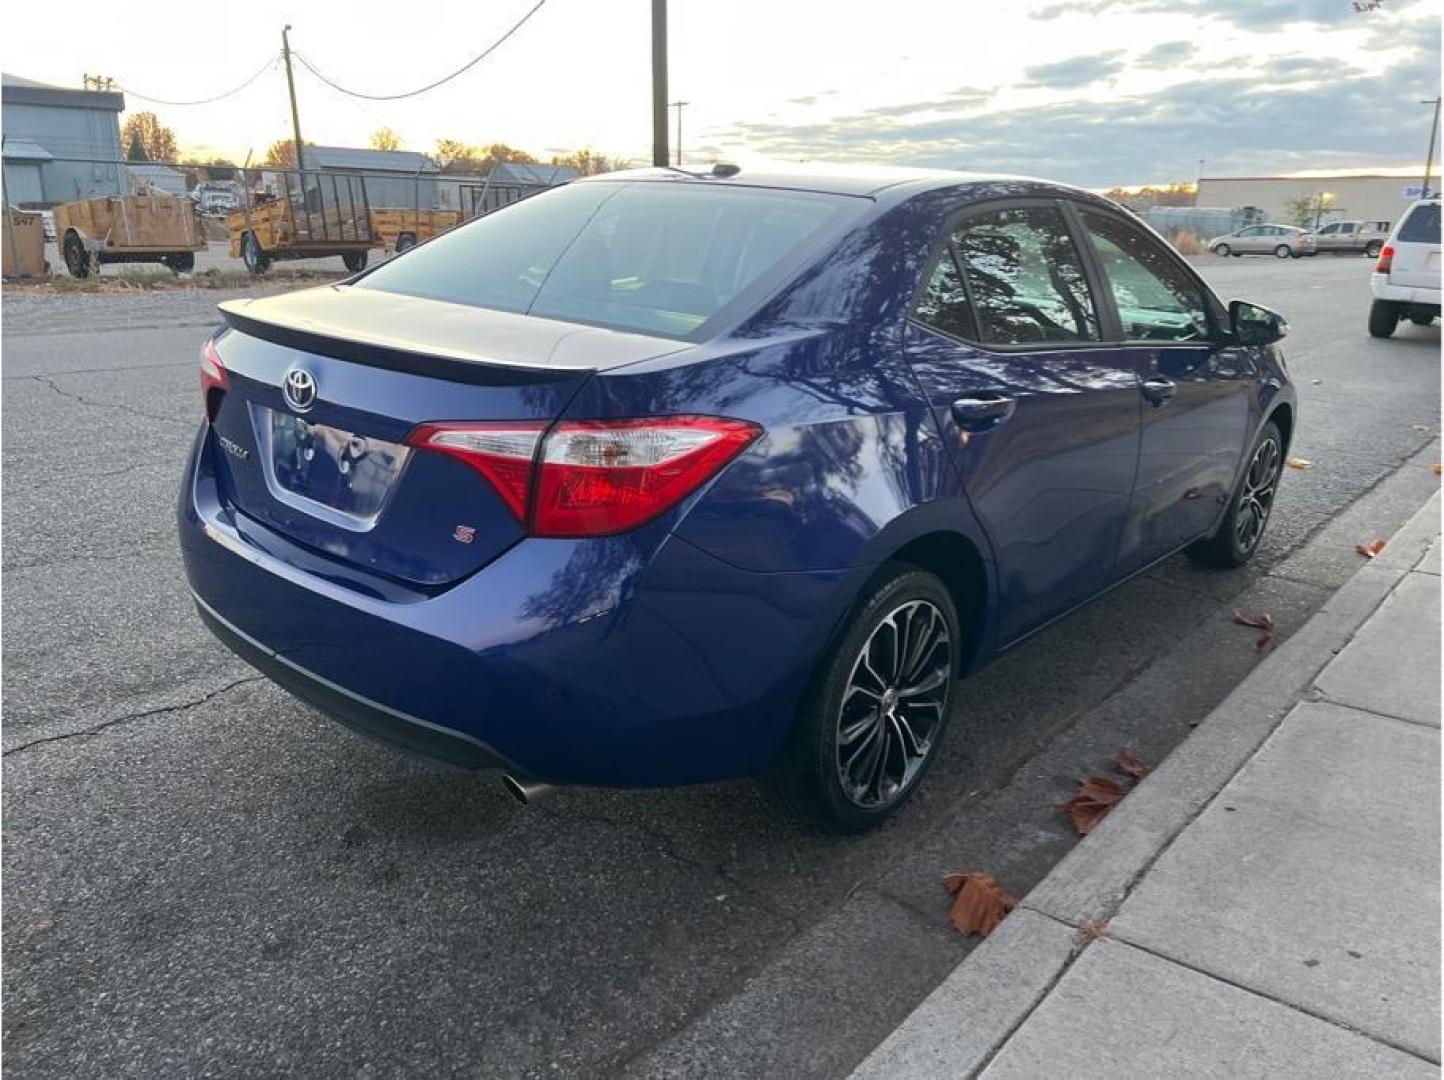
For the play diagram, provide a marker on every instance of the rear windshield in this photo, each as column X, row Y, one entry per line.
column 651, row 257
column 1422, row 225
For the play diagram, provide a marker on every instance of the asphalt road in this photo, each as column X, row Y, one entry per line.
column 205, row 878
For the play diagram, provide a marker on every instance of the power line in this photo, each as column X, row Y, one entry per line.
column 202, row 101
column 429, row 86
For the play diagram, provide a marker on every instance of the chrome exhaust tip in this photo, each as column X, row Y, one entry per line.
column 525, row 791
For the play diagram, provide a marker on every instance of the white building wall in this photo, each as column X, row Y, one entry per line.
column 1365, row 198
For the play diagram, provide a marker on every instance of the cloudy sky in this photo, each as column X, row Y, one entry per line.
column 1093, row 92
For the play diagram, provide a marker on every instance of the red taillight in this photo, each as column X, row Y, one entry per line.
column 592, row 477
column 1386, row 260
column 214, row 381
column 503, row 453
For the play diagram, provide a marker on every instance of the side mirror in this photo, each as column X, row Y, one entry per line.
column 1255, row 325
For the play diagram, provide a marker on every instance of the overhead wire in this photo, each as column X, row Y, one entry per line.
column 267, row 66
column 429, row 86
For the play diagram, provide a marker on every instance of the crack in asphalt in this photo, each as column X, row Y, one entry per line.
column 45, row 380
column 129, row 717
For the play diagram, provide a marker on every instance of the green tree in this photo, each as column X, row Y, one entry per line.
column 157, row 141
column 282, row 153
column 455, row 156
column 1308, row 209
column 137, row 149
column 383, row 138
column 588, row 162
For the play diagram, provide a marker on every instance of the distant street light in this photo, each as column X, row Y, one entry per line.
column 1429, row 159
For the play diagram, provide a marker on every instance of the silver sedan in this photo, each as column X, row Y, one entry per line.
column 1281, row 241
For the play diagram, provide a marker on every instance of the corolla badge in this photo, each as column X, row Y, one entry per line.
column 299, row 389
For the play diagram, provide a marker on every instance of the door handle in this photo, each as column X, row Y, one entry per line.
column 983, row 412
column 1159, row 392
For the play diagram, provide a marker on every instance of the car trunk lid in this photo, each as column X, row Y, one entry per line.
column 309, row 438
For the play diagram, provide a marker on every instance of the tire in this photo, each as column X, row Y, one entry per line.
column 1373, row 247
column 182, row 263
column 847, row 764
column 256, row 260
column 1236, row 539
column 77, row 259
column 355, row 261
column 1223, row 251
column 1383, row 317
column 405, row 242
column 1283, row 251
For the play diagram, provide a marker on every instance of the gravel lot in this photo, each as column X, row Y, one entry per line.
column 205, row 878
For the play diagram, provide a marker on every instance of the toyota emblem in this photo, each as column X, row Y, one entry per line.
column 299, row 389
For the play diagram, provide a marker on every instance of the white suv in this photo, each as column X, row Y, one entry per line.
column 1406, row 279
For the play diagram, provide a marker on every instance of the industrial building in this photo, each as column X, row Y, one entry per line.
column 45, row 129
column 393, row 177
column 150, row 178
column 1366, row 197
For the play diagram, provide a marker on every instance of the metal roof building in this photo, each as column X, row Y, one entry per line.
column 393, row 177
column 516, row 172
column 46, row 125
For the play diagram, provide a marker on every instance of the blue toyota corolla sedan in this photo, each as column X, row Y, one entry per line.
column 664, row 477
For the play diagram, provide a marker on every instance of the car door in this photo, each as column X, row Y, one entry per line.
column 1252, row 239
column 1041, row 415
column 1198, row 388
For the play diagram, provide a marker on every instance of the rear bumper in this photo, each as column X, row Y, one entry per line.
column 1383, row 289
column 635, row 660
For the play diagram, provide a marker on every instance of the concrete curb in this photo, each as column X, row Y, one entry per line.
column 1091, row 882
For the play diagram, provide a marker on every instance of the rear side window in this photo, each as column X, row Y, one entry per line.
column 1022, row 277
column 944, row 303
column 1422, row 225
column 1157, row 300
column 656, row 258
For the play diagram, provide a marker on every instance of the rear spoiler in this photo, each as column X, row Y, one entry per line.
column 391, row 357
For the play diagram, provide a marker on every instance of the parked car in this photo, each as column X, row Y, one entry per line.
column 1405, row 282
column 1351, row 238
column 660, row 478
column 215, row 201
column 1282, row 241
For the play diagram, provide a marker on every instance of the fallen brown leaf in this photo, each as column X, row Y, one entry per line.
column 1096, row 795
column 1092, row 930
column 1369, row 550
column 1299, row 463
column 979, row 902
column 1263, row 621
column 1436, row 469
column 1129, row 765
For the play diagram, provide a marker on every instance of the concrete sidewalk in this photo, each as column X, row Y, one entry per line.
column 1265, row 904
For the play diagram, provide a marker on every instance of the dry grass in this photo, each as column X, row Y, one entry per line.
column 153, row 281
column 1188, row 243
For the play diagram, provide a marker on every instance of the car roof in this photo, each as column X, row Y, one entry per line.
column 864, row 180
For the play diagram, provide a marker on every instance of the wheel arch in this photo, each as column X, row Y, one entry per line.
column 1282, row 415
column 958, row 563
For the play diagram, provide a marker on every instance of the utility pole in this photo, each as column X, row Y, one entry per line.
column 659, row 83
column 1429, row 160
column 679, row 106
column 291, row 88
